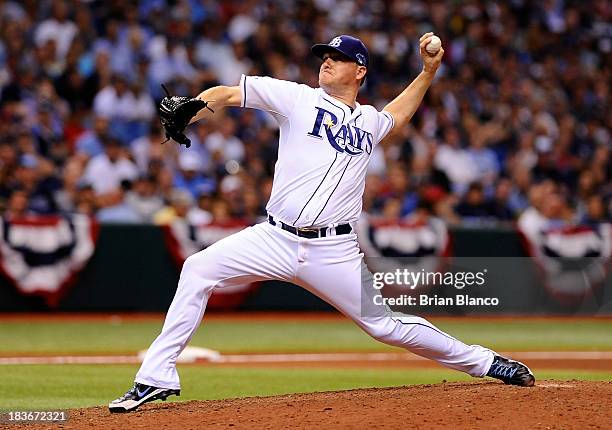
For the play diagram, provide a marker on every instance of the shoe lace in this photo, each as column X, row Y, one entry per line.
column 128, row 394
column 504, row 370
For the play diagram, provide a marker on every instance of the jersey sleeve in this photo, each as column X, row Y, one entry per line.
column 385, row 124
column 269, row 94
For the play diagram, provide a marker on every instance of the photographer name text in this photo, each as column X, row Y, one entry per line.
column 435, row 300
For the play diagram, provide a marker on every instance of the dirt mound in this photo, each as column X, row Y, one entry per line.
column 549, row 405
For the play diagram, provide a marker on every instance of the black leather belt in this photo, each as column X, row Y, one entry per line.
column 310, row 232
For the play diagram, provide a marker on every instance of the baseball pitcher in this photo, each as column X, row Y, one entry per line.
column 326, row 140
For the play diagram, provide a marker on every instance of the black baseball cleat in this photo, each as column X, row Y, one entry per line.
column 138, row 395
column 511, row 372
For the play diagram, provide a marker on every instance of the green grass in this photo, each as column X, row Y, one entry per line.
column 298, row 336
column 73, row 386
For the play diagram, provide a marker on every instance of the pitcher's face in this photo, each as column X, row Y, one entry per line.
column 338, row 69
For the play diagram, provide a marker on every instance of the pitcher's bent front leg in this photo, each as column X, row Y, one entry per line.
column 238, row 259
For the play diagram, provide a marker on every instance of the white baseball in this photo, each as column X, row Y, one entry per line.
column 434, row 45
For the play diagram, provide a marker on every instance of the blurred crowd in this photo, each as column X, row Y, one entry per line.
column 517, row 120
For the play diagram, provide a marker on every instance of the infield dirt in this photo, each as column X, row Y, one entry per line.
column 479, row 405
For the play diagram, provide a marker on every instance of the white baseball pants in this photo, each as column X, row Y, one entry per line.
column 330, row 267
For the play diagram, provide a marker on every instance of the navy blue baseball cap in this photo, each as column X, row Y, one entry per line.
column 350, row 46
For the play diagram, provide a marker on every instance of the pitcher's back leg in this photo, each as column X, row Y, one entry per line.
column 340, row 284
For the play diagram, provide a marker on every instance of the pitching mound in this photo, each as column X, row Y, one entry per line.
column 549, row 405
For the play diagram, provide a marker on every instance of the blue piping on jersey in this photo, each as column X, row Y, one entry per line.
column 317, row 189
column 339, row 107
column 340, row 180
column 245, row 92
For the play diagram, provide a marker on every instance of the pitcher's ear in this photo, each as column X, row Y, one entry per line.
column 361, row 72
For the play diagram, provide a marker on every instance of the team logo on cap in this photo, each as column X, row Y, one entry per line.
column 336, row 41
column 360, row 58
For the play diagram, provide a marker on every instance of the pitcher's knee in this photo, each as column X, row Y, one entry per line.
column 382, row 331
column 393, row 332
column 204, row 261
column 199, row 269
column 190, row 265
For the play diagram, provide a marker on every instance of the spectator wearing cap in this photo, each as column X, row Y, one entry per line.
column 90, row 144
column 34, row 177
column 557, row 211
column 230, row 190
column 189, row 176
column 396, row 187
column 223, row 145
column 106, row 171
column 66, row 196
column 11, row 10
column 114, row 100
column 117, row 209
column 25, row 143
column 143, row 198
column 522, row 180
column 85, row 201
column 252, row 209
column 392, row 209
column 48, row 129
column 164, row 179
column 221, row 211
column 118, row 103
column 200, row 214
column 533, row 219
column 595, row 211
column 179, row 204
column 474, row 204
column 147, row 149
column 500, row 203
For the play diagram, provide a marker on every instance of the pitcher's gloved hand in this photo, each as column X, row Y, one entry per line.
column 176, row 112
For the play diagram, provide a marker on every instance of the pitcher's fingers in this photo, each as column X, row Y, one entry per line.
column 425, row 41
column 425, row 35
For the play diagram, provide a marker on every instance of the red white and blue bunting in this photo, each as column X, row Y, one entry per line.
column 573, row 260
column 42, row 255
column 412, row 245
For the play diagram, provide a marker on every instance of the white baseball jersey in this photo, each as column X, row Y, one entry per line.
column 323, row 153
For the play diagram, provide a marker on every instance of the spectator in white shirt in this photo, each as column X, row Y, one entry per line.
column 484, row 158
column 58, row 28
column 227, row 61
column 115, row 100
column 223, row 145
column 123, row 108
column 106, row 171
column 143, row 198
column 456, row 162
column 148, row 148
